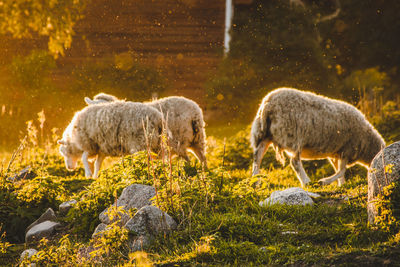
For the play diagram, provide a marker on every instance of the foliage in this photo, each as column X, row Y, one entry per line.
column 32, row 71
column 52, row 18
column 28, row 90
column 264, row 55
column 389, row 123
column 388, row 208
column 370, row 81
column 217, row 209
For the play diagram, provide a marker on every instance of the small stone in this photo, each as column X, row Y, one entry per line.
column 100, row 228
column 48, row 215
column 290, row 196
column 313, row 195
column 27, row 253
column 44, row 229
column 25, row 173
column 263, row 249
column 66, row 206
column 289, row 233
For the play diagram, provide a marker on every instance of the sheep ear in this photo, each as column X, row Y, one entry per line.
column 61, row 142
column 89, row 101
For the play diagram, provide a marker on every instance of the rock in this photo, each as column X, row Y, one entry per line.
column 27, row 253
column 148, row 223
column 134, row 196
column 313, row 195
column 140, row 243
column 66, row 206
column 44, row 229
column 378, row 177
column 289, row 233
column 290, row 196
column 25, row 173
column 48, row 215
column 100, row 228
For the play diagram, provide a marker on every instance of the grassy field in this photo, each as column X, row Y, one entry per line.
column 219, row 220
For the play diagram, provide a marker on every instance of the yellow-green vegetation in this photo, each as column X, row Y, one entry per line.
column 219, row 219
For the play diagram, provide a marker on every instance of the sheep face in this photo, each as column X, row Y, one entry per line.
column 70, row 153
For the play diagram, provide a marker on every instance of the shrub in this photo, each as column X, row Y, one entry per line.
column 388, row 208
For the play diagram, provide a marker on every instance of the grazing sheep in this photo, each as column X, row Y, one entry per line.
column 309, row 126
column 110, row 129
column 184, row 119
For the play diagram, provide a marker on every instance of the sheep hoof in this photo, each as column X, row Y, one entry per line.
column 324, row 181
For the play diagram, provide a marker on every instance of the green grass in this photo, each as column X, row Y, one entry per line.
column 220, row 221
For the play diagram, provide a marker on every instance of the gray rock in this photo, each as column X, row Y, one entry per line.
column 48, row 215
column 25, row 173
column 100, row 228
column 290, row 196
column 150, row 220
column 148, row 223
column 140, row 243
column 313, row 195
column 66, row 206
column 44, row 229
column 134, row 196
column 27, row 253
column 378, row 177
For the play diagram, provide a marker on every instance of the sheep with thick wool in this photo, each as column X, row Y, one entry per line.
column 184, row 119
column 110, row 129
column 310, row 126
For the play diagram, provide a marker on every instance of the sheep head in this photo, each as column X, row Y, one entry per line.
column 70, row 153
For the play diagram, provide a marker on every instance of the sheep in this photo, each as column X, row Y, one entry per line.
column 184, row 118
column 310, row 126
column 110, row 129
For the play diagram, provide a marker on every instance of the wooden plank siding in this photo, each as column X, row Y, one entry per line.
column 184, row 38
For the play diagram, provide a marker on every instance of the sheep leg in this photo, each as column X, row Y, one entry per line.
column 91, row 164
column 97, row 165
column 259, row 153
column 299, row 170
column 199, row 152
column 335, row 164
column 338, row 175
column 86, row 165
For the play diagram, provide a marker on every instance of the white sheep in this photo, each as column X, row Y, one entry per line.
column 309, row 126
column 184, row 118
column 110, row 129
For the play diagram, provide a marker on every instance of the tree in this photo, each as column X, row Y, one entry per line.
column 52, row 18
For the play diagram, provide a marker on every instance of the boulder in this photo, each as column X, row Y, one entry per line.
column 48, row 215
column 290, row 196
column 66, row 206
column 148, row 223
column 134, row 196
column 384, row 169
column 44, row 229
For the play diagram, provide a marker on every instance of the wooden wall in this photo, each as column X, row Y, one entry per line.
column 184, row 38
